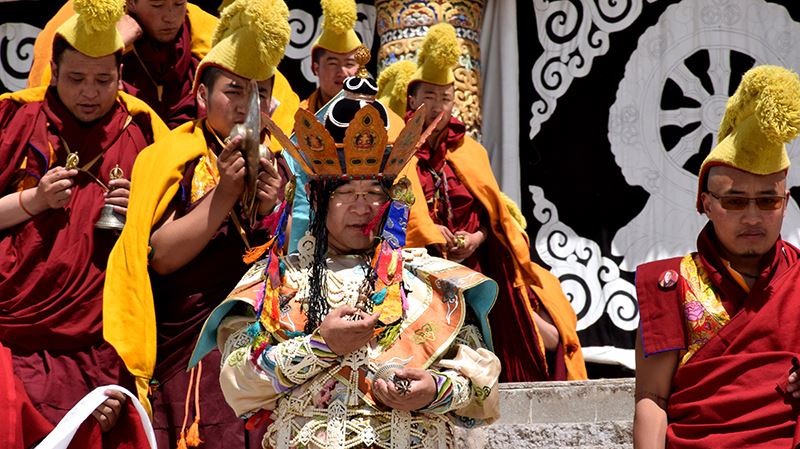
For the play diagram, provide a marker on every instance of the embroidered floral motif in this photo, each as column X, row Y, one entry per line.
column 426, row 333
column 236, row 357
column 702, row 308
column 481, row 393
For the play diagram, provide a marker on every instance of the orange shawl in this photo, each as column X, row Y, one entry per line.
column 470, row 162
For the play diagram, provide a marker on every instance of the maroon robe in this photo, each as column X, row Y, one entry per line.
column 22, row 426
column 173, row 67
column 52, row 266
column 732, row 392
column 183, row 301
column 522, row 361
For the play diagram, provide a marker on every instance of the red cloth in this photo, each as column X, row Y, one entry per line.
column 171, row 65
column 127, row 433
column 514, row 333
column 52, row 265
column 731, row 393
column 23, row 426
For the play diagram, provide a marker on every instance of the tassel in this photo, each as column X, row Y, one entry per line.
column 193, row 438
column 182, row 441
column 255, row 253
column 377, row 219
column 389, row 334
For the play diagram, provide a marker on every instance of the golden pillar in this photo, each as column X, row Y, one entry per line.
column 402, row 26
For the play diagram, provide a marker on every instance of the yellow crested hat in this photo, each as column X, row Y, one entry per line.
column 339, row 20
column 393, row 85
column 92, row 30
column 250, row 39
column 437, row 56
column 760, row 118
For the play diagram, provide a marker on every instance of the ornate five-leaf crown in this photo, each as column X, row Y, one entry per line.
column 349, row 137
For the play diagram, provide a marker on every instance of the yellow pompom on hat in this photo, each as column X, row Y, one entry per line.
column 760, row 118
column 437, row 56
column 250, row 39
column 339, row 19
column 92, row 30
column 393, row 85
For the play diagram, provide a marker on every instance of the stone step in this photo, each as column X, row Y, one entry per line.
column 586, row 414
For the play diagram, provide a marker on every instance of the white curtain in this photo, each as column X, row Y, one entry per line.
column 500, row 93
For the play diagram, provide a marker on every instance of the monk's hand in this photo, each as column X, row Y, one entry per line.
column 794, row 384
column 449, row 240
column 54, row 190
column 129, row 29
column 231, row 167
column 346, row 329
column 421, row 391
column 268, row 186
column 119, row 194
column 472, row 240
column 109, row 411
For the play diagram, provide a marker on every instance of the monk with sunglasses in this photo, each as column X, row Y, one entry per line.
column 717, row 344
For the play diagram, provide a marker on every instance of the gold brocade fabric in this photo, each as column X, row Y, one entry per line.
column 205, row 176
column 402, row 26
column 702, row 308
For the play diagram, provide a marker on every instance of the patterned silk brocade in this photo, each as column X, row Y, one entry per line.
column 704, row 313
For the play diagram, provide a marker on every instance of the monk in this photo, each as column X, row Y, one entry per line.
column 718, row 335
column 188, row 232
column 165, row 41
column 461, row 215
column 60, row 149
column 333, row 53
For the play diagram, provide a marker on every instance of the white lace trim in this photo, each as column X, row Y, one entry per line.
column 340, row 428
column 301, row 371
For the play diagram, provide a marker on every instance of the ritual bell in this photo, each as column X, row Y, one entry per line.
column 109, row 218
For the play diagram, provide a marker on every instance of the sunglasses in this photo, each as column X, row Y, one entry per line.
column 740, row 202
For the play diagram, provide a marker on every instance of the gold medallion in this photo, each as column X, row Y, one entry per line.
column 72, row 161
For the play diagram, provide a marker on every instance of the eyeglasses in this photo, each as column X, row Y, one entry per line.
column 373, row 197
column 740, row 202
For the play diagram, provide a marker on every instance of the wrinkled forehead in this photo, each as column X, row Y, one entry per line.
column 723, row 178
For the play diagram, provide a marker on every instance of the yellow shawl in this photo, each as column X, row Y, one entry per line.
column 129, row 320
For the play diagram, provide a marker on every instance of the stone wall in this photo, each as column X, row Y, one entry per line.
column 586, row 414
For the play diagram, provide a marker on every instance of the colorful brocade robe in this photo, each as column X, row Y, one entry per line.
column 320, row 400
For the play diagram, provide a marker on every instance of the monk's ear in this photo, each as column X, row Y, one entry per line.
column 412, row 102
column 705, row 200
column 202, row 97
column 119, row 74
column 53, row 73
